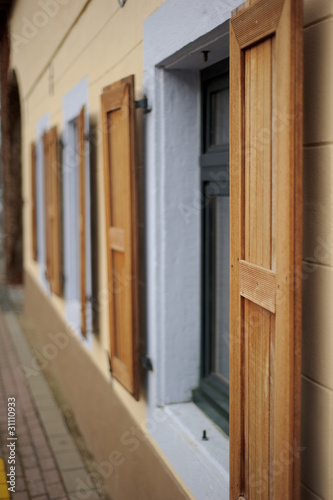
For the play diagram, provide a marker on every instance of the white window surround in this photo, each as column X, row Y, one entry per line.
column 174, row 37
column 43, row 126
column 72, row 105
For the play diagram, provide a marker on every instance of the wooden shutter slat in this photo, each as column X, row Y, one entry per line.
column 117, row 239
column 266, row 222
column 258, row 285
column 33, row 202
column 52, row 211
column 82, row 228
column 118, row 107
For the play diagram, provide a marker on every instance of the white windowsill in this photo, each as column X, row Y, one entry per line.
column 203, row 465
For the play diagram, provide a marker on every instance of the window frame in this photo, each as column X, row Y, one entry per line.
column 73, row 102
column 172, row 85
column 34, row 249
column 211, row 395
column 43, row 126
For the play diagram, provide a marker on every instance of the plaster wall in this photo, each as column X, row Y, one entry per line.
column 317, row 395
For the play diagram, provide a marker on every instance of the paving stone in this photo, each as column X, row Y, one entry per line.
column 36, row 488
column 62, row 443
column 18, row 468
column 34, row 474
column 40, row 442
column 33, row 421
column 29, row 461
column 26, row 451
column 47, row 464
column 20, row 484
column 76, row 480
column 38, row 434
column 24, row 440
column 56, row 429
column 21, row 495
column 39, row 386
column 51, row 415
column 69, row 460
column 21, row 430
column 51, row 476
column 55, row 491
column 88, row 495
column 46, row 402
column 43, row 452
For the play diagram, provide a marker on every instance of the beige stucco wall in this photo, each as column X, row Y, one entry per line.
column 317, row 405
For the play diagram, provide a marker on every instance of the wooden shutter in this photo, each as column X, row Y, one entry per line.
column 52, row 211
column 47, row 197
column 266, row 225
column 118, row 107
column 82, row 219
column 33, row 202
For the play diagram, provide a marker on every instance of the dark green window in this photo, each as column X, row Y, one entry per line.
column 213, row 393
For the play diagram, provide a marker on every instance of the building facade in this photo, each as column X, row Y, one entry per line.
column 127, row 230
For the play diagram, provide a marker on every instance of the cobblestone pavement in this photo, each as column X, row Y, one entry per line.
column 48, row 464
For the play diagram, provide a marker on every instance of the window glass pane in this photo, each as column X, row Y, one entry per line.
column 219, row 118
column 220, row 268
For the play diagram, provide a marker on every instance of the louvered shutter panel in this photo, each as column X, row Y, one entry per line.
column 266, row 225
column 33, row 202
column 52, row 173
column 81, row 145
column 118, row 108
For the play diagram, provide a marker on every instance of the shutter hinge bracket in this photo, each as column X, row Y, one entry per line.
column 146, row 363
column 109, row 362
column 143, row 104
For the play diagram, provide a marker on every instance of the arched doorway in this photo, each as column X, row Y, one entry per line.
column 12, row 186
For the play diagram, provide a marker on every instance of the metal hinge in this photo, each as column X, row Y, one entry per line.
column 110, row 364
column 143, row 104
column 146, row 363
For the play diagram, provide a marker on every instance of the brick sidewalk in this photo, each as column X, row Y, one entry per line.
column 48, row 465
